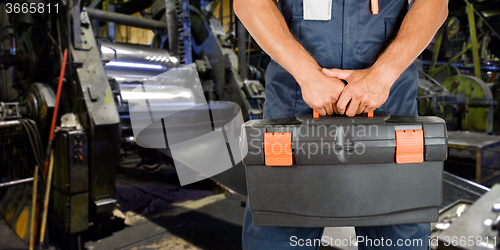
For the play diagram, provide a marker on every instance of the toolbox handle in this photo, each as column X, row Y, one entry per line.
column 344, row 120
column 316, row 114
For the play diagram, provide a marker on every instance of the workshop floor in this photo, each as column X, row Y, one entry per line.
column 155, row 212
column 9, row 239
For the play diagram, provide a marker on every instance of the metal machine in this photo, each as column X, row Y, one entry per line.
column 465, row 63
column 95, row 124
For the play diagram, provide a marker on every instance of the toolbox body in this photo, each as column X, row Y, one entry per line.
column 341, row 171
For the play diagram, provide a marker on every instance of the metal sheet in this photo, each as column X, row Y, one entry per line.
column 456, row 188
column 472, row 140
column 476, row 222
column 137, row 61
column 169, row 94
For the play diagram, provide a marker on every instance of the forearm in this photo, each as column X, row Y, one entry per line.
column 417, row 30
column 267, row 26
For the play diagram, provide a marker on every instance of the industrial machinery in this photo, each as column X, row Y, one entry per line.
column 478, row 99
column 465, row 102
column 462, row 64
column 94, row 122
column 435, row 100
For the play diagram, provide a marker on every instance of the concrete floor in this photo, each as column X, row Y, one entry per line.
column 155, row 212
column 9, row 239
column 214, row 225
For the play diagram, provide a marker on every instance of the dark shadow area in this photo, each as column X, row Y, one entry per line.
column 463, row 167
column 151, row 202
column 202, row 229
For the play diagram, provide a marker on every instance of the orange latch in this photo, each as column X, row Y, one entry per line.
column 278, row 149
column 370, row 114
column 374, row 4
column 409, row 146
column 315, row 114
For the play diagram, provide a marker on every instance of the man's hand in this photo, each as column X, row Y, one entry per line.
column 267, row 26
column 365, row 91
column 368, row 89
column 321, row 93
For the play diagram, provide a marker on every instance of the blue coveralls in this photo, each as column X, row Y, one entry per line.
column 352, row 39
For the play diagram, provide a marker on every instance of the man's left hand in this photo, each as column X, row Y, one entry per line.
column 365, row 91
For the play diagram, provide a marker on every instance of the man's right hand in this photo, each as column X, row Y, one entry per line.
column 321, row 92
column 267, row 26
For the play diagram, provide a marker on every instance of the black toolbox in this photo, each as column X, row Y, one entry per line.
column 341, row 171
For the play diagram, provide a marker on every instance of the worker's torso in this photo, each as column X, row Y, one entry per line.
column 352, row 38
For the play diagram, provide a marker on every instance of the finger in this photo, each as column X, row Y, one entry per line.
column 369, row 109
column 338, row 73
column 353, row 107
column 329, row 109
column 334, row 107
column 344, row 99
column 321, row 111
column 364, row 110
column 360, row 109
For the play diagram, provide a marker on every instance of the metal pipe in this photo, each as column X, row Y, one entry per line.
column 33, row 210
column 137, row 61
column 46, row 200
column 7, row 124
column 437, row 48
column 221, row 13
column 438, row 69
column 242, row 34
column 231, row 17
column 171, row 15
column 472, row 31
column 485, row 21
column 125, row 19
column 433, row 81
column 16, row 182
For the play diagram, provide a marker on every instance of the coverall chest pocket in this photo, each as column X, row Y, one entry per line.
column 378, row 30
column 318, row 10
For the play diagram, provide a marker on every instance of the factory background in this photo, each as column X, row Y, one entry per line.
column 74, row 176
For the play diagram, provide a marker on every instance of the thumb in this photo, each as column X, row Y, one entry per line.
column 338, row 73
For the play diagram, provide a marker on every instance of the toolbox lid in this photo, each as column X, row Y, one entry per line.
column 344, row 140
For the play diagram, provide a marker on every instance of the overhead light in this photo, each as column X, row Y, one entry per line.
column 106, row 50
column 149, row 95
column 134, row 65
